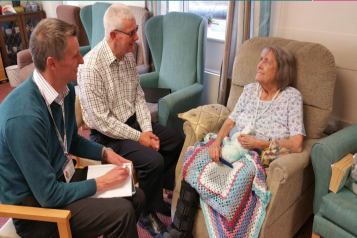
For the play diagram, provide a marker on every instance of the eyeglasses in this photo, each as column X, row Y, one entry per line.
column 130, row 34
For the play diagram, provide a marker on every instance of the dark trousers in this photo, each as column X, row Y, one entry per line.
column 156, row 168
column 90, row 217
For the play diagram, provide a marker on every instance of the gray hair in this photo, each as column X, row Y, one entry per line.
column 114, row 16
column 286, row 65
column 49, row 39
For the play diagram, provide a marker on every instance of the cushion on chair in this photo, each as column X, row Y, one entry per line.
column 204, row 119
column 153, row 108
column 8, row 230
column 26, row 71
column 341, row 209
column 315, row 77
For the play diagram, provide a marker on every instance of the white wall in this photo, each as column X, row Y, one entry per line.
column 334, row 25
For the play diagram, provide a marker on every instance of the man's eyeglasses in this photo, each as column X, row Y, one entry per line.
column 130, row 34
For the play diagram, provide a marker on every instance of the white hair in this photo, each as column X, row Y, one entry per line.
column 114, row 16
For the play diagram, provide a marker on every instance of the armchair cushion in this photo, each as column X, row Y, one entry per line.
column 341, row 209
column 205, row 119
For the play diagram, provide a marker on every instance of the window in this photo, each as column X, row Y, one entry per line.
column 217, row 10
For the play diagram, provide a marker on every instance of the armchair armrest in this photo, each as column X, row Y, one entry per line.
column 149, row 80
column 24, row 58
column 288, row 179
column 326, row 152
column 83, row 50
column 177, row 102
column 61, row 217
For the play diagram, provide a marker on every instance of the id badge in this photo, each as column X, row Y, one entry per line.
column 68, row 169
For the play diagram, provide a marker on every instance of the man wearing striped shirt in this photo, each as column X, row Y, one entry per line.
column 114, row 107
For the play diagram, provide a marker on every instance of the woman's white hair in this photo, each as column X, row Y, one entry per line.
column 114, row 16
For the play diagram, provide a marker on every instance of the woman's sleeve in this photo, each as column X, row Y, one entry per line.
column 239, row 107
column 296, row 116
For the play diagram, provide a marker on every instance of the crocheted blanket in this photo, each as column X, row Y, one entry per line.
column 233, row 200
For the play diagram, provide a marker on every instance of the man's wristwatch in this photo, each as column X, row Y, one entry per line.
column 104, row 158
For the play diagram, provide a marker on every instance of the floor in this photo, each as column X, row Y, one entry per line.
column 304, row 232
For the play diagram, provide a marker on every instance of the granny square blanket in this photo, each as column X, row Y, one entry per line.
column 233, row 200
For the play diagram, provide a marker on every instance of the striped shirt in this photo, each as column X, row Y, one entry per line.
column 110, row 93
column 50, row 94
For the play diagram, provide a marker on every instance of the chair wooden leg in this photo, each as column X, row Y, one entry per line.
column 315, row 236
column 64, row 230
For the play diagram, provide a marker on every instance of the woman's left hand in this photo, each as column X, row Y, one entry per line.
column 249, row 142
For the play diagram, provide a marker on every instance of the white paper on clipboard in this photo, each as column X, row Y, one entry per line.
column 127, row 189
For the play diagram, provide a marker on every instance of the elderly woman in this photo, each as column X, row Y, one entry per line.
column 269, row 110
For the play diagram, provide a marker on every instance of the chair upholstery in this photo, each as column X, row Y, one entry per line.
column 69, row 14
column 92, row 18
column 290, row 178
column 177, row 42
column 335, row 214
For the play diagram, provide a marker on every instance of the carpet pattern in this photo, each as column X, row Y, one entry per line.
column 304, row 232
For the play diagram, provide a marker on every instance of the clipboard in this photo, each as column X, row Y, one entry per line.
column 126, row 190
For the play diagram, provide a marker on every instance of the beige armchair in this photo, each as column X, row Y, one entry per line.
column 290, row 178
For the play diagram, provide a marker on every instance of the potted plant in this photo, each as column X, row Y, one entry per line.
column 209, row 21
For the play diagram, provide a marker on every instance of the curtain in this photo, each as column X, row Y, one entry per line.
column 157, row 7
column 244, row 21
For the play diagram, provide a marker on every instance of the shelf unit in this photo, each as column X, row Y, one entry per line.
column 15, row 34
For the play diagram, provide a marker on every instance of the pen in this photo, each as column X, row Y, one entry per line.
column 225, row 162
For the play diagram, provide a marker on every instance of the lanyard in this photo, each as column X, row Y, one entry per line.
column 266, row 108
column 64, row 141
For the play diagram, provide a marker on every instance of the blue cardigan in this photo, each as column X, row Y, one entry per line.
column 31, row 156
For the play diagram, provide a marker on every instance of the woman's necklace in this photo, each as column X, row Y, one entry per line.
column 250, row 128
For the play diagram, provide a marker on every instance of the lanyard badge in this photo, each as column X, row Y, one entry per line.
column 68, row 166
column 68, row 169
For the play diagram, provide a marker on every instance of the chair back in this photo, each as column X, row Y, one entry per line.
column 316, row 75
column 92, row 19
column 70, row 14
column 178, row 42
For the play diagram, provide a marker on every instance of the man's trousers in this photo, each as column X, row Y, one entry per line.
column 90, row 217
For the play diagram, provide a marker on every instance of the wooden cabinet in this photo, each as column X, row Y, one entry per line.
column 15, row 33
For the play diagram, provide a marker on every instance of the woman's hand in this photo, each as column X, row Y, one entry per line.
column 215, row 151
column 251, row 142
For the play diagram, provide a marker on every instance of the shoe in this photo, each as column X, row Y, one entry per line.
column 166, row 211
column 151, row 223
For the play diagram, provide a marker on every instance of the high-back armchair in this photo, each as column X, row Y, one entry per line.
column 177, row 42
column 335, row 214
column 92, row 19
column 290, row 178
column 67, row 13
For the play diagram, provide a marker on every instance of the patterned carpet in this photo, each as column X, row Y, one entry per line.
column 304, row 232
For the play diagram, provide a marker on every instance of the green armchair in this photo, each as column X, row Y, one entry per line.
column 92, row 19
column 177, row 42
column 335, row 214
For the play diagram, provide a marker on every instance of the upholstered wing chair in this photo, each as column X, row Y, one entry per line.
column 290, row 178
column 69, row 14
column 92, row 19
column 335, row 214
column 177, row 42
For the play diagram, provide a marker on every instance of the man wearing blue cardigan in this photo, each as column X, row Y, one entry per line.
column 38, row 132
